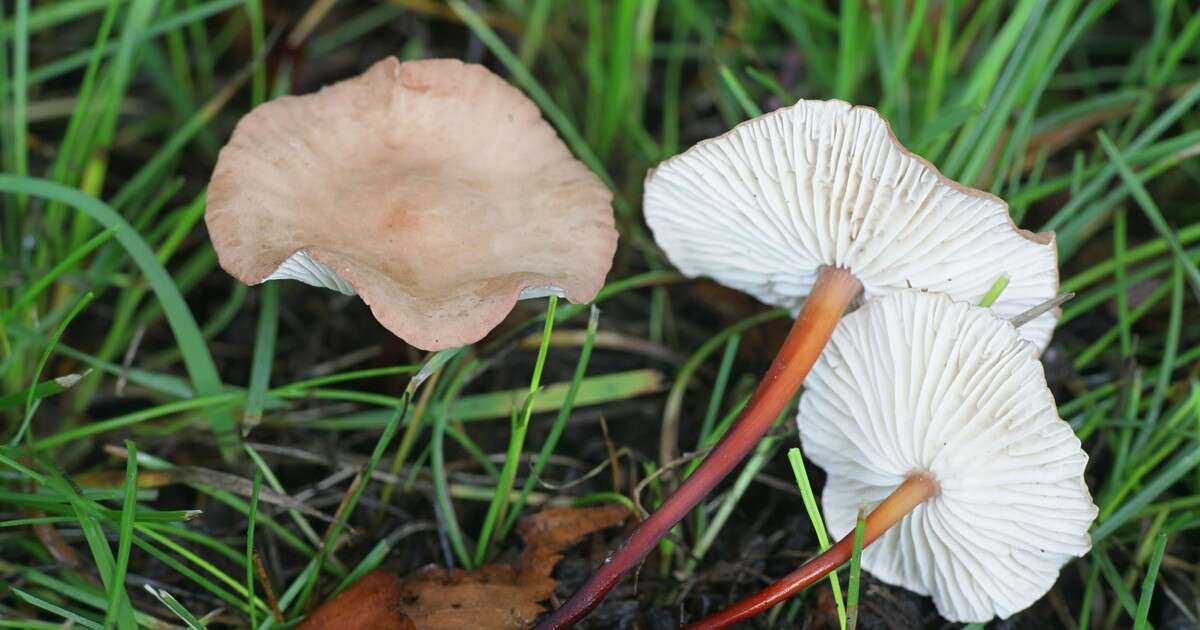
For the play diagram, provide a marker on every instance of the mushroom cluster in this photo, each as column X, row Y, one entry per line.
column 432, row 189
column 815, row 207
column 436, row 192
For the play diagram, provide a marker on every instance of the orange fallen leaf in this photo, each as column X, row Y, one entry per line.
column 371, row 604
column 491, row 597
column 499, row 597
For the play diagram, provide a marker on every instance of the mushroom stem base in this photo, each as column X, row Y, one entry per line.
column 834, row 290
column 915, row 490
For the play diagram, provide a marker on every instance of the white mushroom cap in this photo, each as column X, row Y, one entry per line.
column 432, row 189
column 918, row 382
column 765, row 206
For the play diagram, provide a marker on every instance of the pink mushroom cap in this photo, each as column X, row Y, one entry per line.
column 432, row 189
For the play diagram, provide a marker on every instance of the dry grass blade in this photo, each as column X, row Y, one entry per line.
column 205, row 476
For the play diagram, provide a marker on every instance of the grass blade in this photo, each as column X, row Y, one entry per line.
column 251, row 521
column 1184, row 462
column 196, row 357
column 1140, row 621
column 173, row 604
column 118, row 594
column 72, row 617
column 47, row 279
column 335, row 530
column 516, row 442
column 23, row 430
column 20, row 83
column 860, row 529
column 264, row 354
column 1151, row 210
column 560, row 423
column 524, row 78
column 814, row 516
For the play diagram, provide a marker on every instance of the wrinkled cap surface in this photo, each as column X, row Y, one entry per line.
column 763, row 207
column 432, row 189
column 917, row 382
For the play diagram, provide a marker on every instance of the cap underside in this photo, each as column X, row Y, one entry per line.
column 765, row 206
column 917, row 382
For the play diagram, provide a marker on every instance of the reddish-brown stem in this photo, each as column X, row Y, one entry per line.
column 834, row 290
column 908, row 495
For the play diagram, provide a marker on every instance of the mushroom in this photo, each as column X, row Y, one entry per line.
column 433, row 189
column 938, row 413
column 808, row 207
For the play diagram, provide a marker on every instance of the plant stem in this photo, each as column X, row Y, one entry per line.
column 907, row 496
column 516, row 442
column 830, row 297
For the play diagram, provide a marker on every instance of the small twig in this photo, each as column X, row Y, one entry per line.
column 269, row 591
column 609, row 340
column 775, row 483
column 329, row 481
column 597, row 469
column 1045, row 307
column 339, row 363
column 671, row 465
column 612, row 456
column 786, row 429
column 127, row 361
column 443, row 538
column 347, row 461
column 227, row 482
column 339, row 514
column 308, row 23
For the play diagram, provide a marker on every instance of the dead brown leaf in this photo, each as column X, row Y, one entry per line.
column 371, row 604
column 554, row 529
column 495, row 597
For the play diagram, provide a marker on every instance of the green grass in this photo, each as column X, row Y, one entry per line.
column 796, row 459
column 117, row 324
column 498, row 507
column 854, row 587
